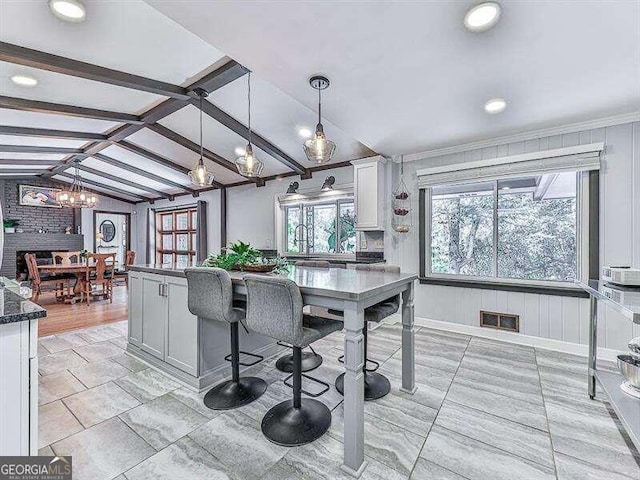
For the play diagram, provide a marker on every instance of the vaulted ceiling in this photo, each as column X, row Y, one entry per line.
column 115, row 97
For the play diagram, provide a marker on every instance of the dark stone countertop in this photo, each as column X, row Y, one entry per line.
column 14, row 308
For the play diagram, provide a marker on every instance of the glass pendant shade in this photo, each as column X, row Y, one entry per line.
column 248, row 164
column 200, row 176
column 76, row 196
column 318, row 149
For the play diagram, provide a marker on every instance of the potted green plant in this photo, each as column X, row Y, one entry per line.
column 242, row 256
column 10, row 225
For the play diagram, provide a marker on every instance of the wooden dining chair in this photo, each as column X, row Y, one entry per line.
column 65, row 258
column 100, row 273
column 129, row 259
column 37, row 282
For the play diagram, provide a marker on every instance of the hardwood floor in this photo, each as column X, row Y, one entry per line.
column 63, row 317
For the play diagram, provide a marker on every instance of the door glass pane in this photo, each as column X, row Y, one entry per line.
column 324, row 228
column 537, row 227
column 182, row 241
column 462, row 229
column 193, row 242
column 182, row 221
column 194, row 219
column 347, row 242
column 294, row 245
column 167, row 242
column 167, row 222
column 167, row 258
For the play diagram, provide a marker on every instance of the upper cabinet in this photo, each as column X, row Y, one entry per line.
column 369, row 193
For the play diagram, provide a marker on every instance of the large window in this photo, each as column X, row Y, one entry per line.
column 176, row 236
column 521, row 228
column 322, row 227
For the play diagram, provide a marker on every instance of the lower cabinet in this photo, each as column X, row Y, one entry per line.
column 160, row 322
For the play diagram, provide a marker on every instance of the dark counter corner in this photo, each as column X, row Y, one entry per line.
column 18, row 309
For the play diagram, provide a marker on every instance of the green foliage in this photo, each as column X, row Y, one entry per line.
column 10, row 223
column 347, row 234
column 240, row 254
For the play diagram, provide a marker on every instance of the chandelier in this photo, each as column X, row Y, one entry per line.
column 75, row 196
column 199, row 175
column 318, row 149
column 248, row 164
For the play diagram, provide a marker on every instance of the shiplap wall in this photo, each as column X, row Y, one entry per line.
column 559, row 318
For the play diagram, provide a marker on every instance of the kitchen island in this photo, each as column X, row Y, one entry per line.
column 18, row 371
column 163, row 332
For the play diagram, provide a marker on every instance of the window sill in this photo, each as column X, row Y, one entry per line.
column 508, row 287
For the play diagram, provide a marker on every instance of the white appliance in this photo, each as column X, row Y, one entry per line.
column 626, row 296
column 622, row 275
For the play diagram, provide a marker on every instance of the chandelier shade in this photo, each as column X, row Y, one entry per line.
column 249, row 165
column 76, row 196
column 199, row 175
column 319, row 149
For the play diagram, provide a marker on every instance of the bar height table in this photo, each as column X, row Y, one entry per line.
column 626, row 407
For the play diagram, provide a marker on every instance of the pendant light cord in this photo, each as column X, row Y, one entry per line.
column 249, row 103
column 201, row 144
column 319, row 106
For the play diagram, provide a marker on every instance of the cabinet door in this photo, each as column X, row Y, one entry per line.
column 154, row 311
column 182, row 328
column 135, row 309
column 366, row 193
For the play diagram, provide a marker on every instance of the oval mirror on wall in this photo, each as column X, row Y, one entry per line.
column 108, row 231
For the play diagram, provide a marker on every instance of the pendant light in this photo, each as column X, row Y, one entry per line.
column 75, row 196
column 200, row 176
column 248, row 164
column 318, row 149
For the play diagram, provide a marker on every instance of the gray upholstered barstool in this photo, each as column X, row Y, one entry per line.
column 310, row 360
column 210, row 296
column 376, row 385
column 274, row 308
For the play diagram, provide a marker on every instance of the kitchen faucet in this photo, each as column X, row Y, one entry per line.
column 295, row 236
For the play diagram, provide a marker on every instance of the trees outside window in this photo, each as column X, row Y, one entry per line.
column 523, row 228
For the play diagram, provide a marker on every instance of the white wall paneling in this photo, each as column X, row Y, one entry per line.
column 107, row 204
column 560, row 318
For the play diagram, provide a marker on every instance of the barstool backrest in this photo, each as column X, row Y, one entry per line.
column 274, row 308
column 378, row 268
column 211, row 294
column 313, row 263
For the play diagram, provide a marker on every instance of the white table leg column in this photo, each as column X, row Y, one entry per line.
column 408, row 341
column 354, row 463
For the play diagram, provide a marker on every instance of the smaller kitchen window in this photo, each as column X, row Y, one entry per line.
column 320, row 227
column 176, row 236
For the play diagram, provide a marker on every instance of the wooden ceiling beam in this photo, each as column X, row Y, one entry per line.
column 106, row 187
column 234, row 125
column 21, row 171
column 66, row 66
column 124, row 181
column 40, row 149
column 50, row 133
column 27, row 161
column 61, row 109
column 151, row 176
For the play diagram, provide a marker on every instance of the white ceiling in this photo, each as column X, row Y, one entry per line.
column 407, row 76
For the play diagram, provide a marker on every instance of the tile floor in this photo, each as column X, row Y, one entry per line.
column 483, row 410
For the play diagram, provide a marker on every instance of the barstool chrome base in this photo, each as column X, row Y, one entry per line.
column 310, row 361
column 289, row 426
column 230, row 394
column 375, row 385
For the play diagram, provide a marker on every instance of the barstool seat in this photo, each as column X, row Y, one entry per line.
column 274, row 308
column 210, row 296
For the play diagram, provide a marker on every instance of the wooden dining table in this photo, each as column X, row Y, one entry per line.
column 77, row 269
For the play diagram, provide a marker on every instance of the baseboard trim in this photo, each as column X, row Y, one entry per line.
column 517, row 338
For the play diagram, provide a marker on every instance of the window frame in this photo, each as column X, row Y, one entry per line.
column 302, row 204
column 191, row 231
column 586, row 216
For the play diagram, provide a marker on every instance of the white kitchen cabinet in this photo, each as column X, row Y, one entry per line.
column 160, row 322
column 369, row 193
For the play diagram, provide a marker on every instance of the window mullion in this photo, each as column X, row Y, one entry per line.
column 495, row 229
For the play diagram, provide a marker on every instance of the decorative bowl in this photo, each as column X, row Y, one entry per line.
column 630, row 369
column 258, row 268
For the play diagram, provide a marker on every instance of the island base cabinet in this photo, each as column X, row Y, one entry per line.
column 160, row 323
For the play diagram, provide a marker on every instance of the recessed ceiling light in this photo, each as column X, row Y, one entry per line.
column 68, row 10
column 495, row 105
column 24, row 80
column 239, row 151
column 482, row 17
column 304, row 132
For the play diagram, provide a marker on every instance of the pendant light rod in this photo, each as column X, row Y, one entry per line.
column 249, row 103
